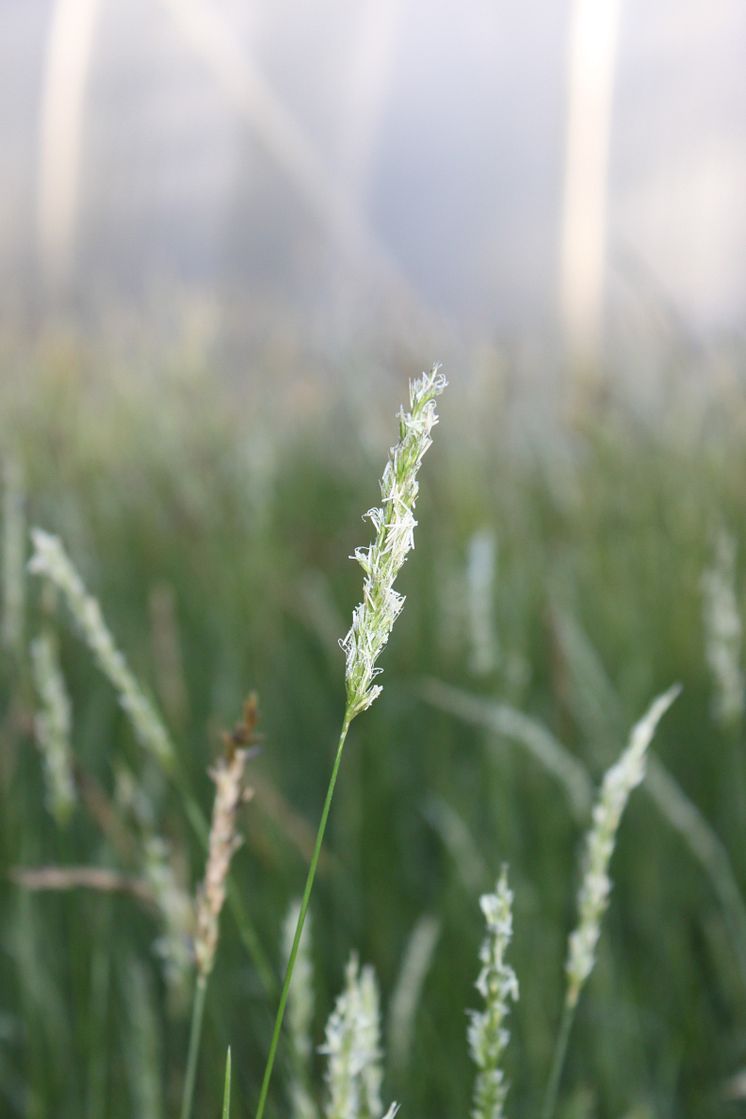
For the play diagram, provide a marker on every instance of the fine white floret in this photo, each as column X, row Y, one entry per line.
column 394, row 524
column 595, row 888
column 51, row 561
column 352, row 1047
column 498, row 986
column 52, row 726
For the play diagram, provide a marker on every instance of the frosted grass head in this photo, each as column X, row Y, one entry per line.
column 394, row 523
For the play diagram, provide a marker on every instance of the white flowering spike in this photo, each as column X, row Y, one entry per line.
column 52, row 726
column 50, row 560
column 14, row 534
column 595, row 888
column 723, row 632
column 300, row 1010
column 352, row 1048
column 498, row 986
column 394, row 524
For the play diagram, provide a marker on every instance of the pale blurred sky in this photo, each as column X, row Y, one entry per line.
column 441, row 126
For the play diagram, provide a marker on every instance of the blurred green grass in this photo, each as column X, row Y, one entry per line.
column 247, row 515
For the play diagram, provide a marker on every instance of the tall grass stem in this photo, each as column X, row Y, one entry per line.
column 310, row 878
column 195, row 1036
column 227, row 1089
column 558, row 1060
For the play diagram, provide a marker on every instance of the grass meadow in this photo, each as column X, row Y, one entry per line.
column 561, row 579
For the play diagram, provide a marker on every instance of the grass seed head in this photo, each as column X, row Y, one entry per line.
column 230, row 793
column 53, row 724
column 381, row 561
column 498, row 986
column 352, row 1048
column 595, row 888
column 51, row 561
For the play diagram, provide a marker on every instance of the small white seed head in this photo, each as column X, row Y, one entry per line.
column 352, row 1048
column 394, row 524
column 498, row 986
column 595, row 888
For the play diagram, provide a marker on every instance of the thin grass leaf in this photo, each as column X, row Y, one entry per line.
column 227, row 1088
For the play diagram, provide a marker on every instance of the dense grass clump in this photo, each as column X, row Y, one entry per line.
column 553, row 592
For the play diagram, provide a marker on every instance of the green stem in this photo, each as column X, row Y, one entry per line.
column 301, row 919
column 195, row 1034
column 227, row 1088
column 558, row 1062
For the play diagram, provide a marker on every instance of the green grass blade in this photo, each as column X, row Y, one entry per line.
column 227, row 1091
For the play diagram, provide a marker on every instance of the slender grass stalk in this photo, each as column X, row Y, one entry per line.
column 514, row 725
column 227, row 1088
column 144, row 1047
column 558, row 1061
column 195, row 1035
column 405, row 999
column 372, row 622
column 454, row 833
column 305, row 900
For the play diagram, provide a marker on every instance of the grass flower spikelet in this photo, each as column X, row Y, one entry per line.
column 394, row 525
column 498, row 986
column 352, row 1048
column 593, row 897
column 52, row 724
column 230, row 794
column 51, row 561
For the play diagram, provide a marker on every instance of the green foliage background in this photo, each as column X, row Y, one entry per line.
column 248, row 513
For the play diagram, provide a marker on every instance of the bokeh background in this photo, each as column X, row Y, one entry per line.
column 229, row 234
column 545, row 173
